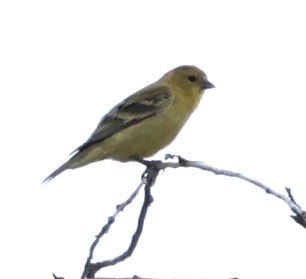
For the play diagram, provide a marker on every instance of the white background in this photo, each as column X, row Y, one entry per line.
column 66, row 63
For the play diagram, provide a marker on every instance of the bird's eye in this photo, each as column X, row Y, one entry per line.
column 192, row 78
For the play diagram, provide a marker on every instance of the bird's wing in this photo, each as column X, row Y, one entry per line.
column 136, row 108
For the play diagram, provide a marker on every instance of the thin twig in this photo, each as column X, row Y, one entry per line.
column 106, row 228
column 300, row 216
column 55, row 277
column 149, row 178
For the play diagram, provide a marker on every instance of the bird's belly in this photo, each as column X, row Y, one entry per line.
column 144, row 139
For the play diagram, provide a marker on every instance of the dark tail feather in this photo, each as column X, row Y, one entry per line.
column 56, row 173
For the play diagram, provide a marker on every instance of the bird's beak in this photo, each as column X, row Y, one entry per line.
column 208, row 85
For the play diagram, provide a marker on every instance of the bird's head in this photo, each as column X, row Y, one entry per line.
column 189, row 78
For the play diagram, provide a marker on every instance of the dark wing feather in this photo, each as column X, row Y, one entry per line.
column 131, row 111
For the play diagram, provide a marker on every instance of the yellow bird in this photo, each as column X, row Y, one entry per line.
column 145, row 122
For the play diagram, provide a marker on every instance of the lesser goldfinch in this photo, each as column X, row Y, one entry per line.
column 145, row 122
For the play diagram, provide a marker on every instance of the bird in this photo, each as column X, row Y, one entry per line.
column 143, row 123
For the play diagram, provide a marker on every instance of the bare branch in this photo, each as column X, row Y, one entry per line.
column 148, row 179
column 153, row 168
column 300, row 216
column 55, row 277
column 107, row 226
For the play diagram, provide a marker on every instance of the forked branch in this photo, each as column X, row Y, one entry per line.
column 149, row 176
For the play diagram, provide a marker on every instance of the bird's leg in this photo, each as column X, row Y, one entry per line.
column 153, row 167
column 149, row 163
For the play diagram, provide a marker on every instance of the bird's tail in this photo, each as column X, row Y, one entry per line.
column 58, row 171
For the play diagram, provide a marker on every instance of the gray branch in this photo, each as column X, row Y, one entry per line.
column 300, row 213
column 149, row 176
